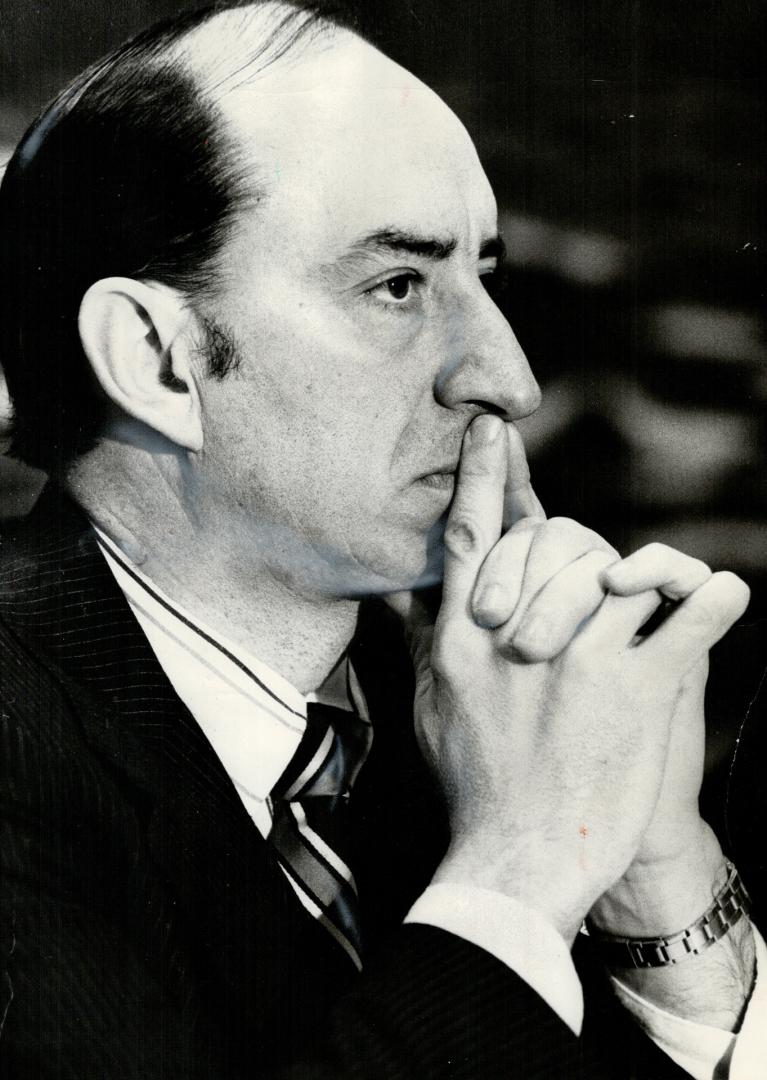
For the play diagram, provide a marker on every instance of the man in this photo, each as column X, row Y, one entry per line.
column 248, row 273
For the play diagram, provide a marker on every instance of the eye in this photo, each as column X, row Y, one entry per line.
column 495, row 281
column 399, row 287
column 396, row 289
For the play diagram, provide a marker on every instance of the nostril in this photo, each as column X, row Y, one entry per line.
column 487, row 407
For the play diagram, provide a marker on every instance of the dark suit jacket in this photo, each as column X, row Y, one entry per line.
column 145, row 930
column 735, row 796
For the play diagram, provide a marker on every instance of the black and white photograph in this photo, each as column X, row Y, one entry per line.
column 383, row 540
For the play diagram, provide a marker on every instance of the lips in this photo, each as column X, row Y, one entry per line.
column 441, row 480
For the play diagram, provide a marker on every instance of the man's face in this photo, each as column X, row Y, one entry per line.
column 356, row 294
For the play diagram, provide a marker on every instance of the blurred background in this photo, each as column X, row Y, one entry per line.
column 625, row 141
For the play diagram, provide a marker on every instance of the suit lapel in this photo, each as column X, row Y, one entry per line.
column 60, row 599
column 59, row 596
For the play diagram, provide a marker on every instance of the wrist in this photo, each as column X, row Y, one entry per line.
column 661, row 896
column 710, row 984
column 543, row 888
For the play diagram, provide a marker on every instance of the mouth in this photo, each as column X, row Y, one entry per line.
column 442, row 480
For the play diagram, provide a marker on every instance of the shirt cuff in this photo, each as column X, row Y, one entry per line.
column 703, row 1051
column 515, row 934
column 750, row 1051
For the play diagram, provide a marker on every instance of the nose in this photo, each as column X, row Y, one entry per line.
column 484, row 366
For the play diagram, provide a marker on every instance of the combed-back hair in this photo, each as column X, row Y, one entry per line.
column 131, row 172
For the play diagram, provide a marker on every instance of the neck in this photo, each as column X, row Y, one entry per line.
column 198, row 562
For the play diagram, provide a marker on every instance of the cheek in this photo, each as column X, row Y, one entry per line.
column 317, row 400
column 319, row 420
column 303, row 451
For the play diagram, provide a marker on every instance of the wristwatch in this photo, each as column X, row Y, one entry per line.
column 730, row 904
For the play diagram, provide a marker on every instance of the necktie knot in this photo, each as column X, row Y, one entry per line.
column 329, row 756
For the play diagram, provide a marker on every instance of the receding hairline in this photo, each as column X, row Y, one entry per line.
column 236, row 46
column 143, row 133
column 231, row 50
column 236, row 50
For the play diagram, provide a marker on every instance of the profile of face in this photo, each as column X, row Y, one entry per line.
column 356, row 293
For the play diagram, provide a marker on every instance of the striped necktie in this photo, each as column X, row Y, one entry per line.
column 310, row 826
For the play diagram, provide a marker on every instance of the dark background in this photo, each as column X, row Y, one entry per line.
column 626, row 144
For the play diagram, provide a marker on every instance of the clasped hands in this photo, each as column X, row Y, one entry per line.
column 569, row 749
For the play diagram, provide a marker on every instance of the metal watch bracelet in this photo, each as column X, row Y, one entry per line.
column 730, row 904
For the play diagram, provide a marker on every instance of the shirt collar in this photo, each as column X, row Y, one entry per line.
column 253, row 717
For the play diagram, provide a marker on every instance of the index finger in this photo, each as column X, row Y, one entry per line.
column 520, row 503
column 476, row 515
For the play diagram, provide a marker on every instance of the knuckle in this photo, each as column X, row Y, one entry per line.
column 599, row 559
column 559, row 534
column 656, row 552
column 695, row 567
column 727, row 580
column 689, row 578
column 463, row 535
column 532, row 650
column 704, row 615
column 564, row 526
column 732, row 587
column 572, row 533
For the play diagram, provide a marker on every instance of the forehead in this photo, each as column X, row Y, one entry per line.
column 344, row 141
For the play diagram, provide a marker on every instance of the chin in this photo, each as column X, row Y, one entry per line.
column 420, row 566
column 396, row 561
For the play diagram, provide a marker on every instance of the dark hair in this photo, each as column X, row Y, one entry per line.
column 128, row 172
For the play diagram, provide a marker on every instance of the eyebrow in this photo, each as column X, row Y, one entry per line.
column 494, row 248
column 396, row 240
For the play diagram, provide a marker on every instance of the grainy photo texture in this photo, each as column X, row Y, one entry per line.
column 383, row 577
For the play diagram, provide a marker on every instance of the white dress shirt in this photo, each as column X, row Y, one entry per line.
column 254, row 720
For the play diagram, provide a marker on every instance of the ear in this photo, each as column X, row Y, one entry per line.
column 137, row 339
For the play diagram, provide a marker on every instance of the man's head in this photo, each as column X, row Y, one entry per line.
column 127, row 172
column 340, row 272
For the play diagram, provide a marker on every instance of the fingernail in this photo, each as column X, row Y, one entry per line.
column 490, row 607
column 484, row 430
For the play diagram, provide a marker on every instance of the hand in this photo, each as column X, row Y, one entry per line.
column 676, row 834
column 551, row 769
column 539, row 585
column 679, row 865
column 543, row 580
column 675, row 874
